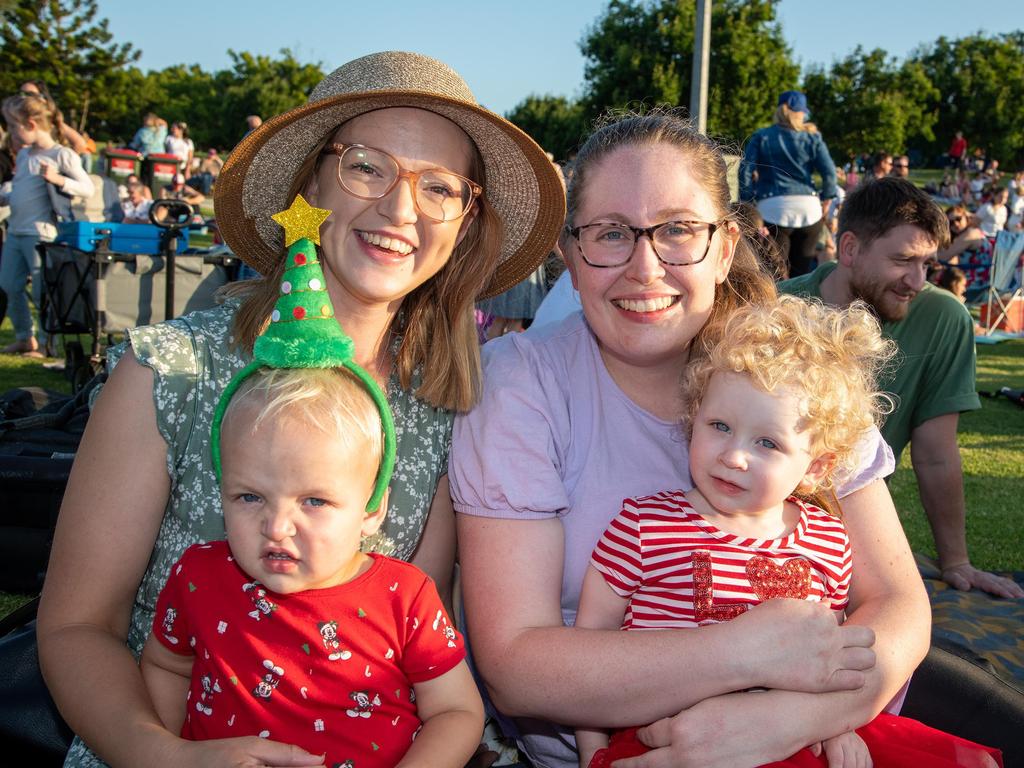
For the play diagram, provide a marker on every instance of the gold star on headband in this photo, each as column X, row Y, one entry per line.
column 301, row 220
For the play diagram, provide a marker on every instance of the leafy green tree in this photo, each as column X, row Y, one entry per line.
column 641, row 53
column 554, row 122
column 866, row 102
column 979, row 89
column 214, row 104
column 259, row 85
column 186, row 94
column 62, row 43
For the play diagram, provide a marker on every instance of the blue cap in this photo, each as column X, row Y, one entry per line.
column 795, row 100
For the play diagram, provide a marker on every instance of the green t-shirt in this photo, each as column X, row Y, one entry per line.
column 933, row 373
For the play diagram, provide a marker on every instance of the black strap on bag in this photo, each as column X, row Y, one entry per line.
column 32, row 732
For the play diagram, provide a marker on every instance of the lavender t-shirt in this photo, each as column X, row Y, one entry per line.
column 554, row 436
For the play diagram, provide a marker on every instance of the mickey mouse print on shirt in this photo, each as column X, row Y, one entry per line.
column 329, row 670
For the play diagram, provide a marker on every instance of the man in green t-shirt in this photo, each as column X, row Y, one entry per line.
column 888, row 230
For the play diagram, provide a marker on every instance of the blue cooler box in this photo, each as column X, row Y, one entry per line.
column 124, row 238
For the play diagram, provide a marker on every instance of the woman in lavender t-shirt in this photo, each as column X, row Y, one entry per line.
column 579, row 415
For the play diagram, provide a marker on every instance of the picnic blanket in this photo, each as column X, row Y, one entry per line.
column 996, row 337
column 972, row 682
column 989, row 630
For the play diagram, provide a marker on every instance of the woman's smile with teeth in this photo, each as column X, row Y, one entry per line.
column 387, row 243
column 645, row 305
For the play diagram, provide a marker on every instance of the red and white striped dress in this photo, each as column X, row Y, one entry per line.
column 678, row 570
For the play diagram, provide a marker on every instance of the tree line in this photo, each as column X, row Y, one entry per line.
column 98, row 87
column 637, row 53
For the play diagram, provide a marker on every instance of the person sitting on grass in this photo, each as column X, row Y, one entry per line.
column 179, row 190
column 136, row 206
column 889, row 231
column 404, row 264
column 207, row 173
column 954, row 280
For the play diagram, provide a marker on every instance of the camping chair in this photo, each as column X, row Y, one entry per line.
column 1005, row 285
column 103, row 205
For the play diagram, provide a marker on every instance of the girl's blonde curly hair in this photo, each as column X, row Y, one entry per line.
column 830, row 358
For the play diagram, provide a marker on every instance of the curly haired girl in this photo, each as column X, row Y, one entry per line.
column 775, row 411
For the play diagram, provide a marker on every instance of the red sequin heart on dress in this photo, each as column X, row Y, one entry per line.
column 769, row 580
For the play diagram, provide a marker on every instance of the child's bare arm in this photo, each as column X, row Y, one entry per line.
column 588, row 741
column 453, row 720
column 600, row 608
column 847, row 750
column 167, row 677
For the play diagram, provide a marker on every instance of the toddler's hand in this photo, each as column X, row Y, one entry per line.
column 847, row 750
column 51, row 174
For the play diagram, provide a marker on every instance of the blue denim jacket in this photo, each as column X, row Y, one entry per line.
column 784, row 160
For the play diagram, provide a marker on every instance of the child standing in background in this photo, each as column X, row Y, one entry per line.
column 774, row 410
column 43, row 169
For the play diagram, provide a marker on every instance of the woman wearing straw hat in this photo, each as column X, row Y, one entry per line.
column 421, row 202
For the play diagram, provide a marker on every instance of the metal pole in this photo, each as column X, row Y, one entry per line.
column 699, row 76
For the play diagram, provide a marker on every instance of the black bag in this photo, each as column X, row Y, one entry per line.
column 32, row 732
column 39, row 434
column 957, row 692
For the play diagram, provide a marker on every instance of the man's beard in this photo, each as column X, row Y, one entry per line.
column 874, row 294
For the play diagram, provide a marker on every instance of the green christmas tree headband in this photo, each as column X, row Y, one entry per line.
column 303, row 333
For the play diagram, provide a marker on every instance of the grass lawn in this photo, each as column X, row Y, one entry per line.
column 992, row 450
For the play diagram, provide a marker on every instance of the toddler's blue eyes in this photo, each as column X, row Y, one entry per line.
column 314, row 502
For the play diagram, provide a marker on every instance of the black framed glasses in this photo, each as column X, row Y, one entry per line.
column 675, row 243
column 370, row 174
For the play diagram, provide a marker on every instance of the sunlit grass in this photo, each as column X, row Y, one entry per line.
column 992, row 450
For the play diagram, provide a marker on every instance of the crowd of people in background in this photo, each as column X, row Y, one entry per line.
column 45, row 164
column 791, row 194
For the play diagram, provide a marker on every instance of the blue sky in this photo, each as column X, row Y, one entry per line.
column 504, row 50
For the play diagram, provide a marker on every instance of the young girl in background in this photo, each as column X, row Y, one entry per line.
column 180, row 145
column 775, row 412
column 41, row 163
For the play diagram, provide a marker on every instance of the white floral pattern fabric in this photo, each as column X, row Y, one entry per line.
column 192, row 361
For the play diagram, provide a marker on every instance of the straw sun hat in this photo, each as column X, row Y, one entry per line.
column 521, row 184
